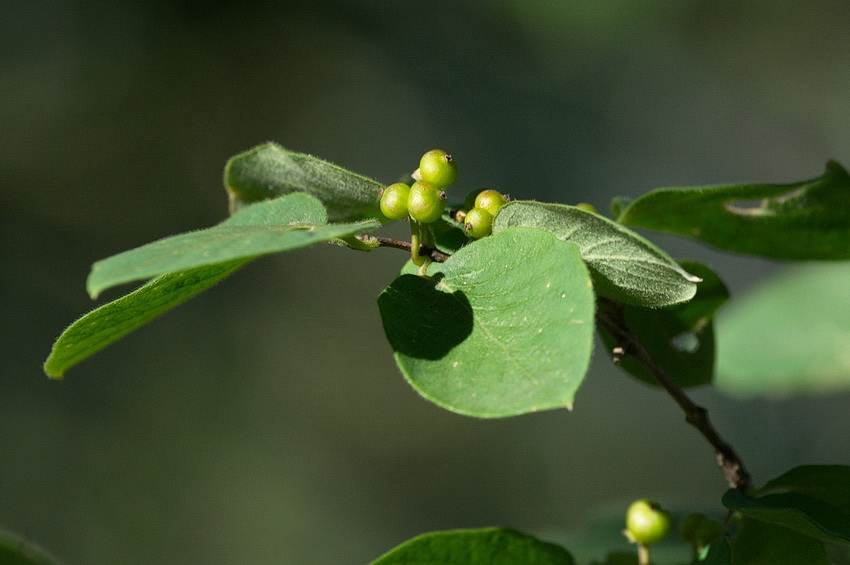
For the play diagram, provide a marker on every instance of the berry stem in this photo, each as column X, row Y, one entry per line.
column 435, row 255
column 643, row 554
column 610, row 316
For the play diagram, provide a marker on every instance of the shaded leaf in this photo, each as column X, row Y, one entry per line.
column 788, row 336
column 826, row 482
column 624, row 265
column 504, row 327
column 108, row 323
column 806, row 220
column 679, row 338
column 269, row 171
column 760, row 543
column 15, row 550
column 490, row 546
column 718, row 552
column 287, row 223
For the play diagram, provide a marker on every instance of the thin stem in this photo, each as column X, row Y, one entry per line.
column 643, row 554
column 434, row 254
column 610, row 317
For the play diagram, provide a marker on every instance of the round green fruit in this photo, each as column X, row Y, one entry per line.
column 394, row 201
column 646, row 522
column 438, row 168
column 478, row 223
column 426, row 202
column 490, row 200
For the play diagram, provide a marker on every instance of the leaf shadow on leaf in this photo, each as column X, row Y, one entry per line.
column 422, row 321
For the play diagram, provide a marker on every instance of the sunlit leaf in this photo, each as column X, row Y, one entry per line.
column 269, row 171
column 284, row 224
column 807, row 220
column 624, row 265
column 504, row 327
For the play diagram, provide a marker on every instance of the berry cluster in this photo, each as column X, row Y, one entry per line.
column 425, row 200
column 480, row 208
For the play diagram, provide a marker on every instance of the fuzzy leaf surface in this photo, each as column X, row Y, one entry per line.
column 284, row 224
column 504, row 327
column 490, row 546
column 788, row 335
column 270, row 171
column 110, row 322
column 680, row 337
column 808, row 220
column 624, row 265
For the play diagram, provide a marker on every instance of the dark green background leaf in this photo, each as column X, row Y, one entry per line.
column 269, row 171
column 826, row 482
column 284, row 224
column 788, row 336
column 681, row 337
column 624, row 265
column 106, row 324
column 490, row 546
column 506, row 328
column 803, row 221
column 761, row 543
column 15, row 550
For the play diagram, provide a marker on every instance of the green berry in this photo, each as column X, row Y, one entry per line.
column 438, row 168
column 490, row 200
column 478, row 223
column 426, row 202
column 394, row 201
column 646, row 522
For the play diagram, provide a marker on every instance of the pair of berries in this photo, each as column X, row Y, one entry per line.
column 482, row 207
column 424, row 200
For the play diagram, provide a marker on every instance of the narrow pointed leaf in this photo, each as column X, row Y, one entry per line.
column 284, row 224
column 624, row 265
column 270, row 171
column 808, row 220
column 680, row 338
column 788, row 335
column 505, row 326
column 490, row 546
column 110, row 322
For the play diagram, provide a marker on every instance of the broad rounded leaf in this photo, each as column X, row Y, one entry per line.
column 788, row 336
column 110, row 322
column 269, row 171
column 680, row 338
column 826, row 482
column 490, row 546
column 284, row 224
column 624, row 265
column 807, row 220
column 762, row 543
column 504, row 327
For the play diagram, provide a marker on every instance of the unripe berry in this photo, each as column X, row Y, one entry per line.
column 490, row 200
column 394, row 201
column 426, row 202
column 478, row 223
column 646, row 522
column 438, row 168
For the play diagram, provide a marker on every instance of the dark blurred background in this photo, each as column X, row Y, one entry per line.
column 265, row 421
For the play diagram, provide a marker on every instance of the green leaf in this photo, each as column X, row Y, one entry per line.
column 681, row 337
column 718, row 552
column 805, row 514
column 761, row 543
column 807, row 220
column 15, row 550
column 106, row 324
column 287, row 223
column 788, row 336
column 269, row 171
column 826, row 482
column 624, row 265
column 505, row 326
column 490, row 546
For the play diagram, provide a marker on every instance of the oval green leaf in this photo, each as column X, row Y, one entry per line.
column 504, row 327
column 624, row 265
column 788, row 336
column 284, row 224
column 110, row 322
column 490, row 546
column 269, row 171
column 680, row 338
column 807, row 220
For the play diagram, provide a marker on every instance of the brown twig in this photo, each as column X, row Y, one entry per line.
column 610, row 317
column 434, row 254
